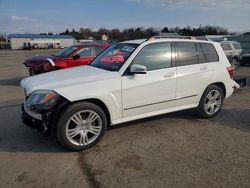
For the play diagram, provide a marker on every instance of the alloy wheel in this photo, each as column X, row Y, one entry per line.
column 213, row 102
column 83, row 127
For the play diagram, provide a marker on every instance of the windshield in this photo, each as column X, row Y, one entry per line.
column 114, row 57
column 66, row 52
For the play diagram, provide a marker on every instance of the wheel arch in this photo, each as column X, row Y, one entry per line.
column 66, row 103
column 101, row 104
column 221, row 85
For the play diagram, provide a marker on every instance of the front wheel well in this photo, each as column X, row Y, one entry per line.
column 222, row 86
column 64, row 103
column 101, row 105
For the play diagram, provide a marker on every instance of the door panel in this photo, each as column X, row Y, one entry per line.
column 155, row 90
column 148, row 92
column 190, row 82
column 194, row 71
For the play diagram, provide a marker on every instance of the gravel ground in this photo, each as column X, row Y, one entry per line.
column 173, row 150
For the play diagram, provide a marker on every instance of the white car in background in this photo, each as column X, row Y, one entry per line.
column 233, row 51
column 128, row 81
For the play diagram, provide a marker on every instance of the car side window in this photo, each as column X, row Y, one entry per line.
column 99, row 49
column 155, row 56
column 187, row 54
column 237, row 46
column 85, row 52
column 210, row 52
column 226, row 46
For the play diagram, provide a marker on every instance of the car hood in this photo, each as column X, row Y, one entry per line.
column 58, row 80
column 38, row 60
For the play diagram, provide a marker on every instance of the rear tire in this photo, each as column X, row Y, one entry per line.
column 81, row 126
column 210, row 102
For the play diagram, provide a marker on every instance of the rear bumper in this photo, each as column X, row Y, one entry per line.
column 230, row 86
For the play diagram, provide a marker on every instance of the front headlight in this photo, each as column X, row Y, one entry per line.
column 41, row 97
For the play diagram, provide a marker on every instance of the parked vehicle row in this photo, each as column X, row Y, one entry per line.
column 127, row 81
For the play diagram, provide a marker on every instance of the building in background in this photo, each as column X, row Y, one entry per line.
column 34, row 41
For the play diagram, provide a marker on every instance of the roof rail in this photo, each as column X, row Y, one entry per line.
column 168, row 37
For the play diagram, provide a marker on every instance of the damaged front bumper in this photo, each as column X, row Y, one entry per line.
column 44, row 116
column 40, row 121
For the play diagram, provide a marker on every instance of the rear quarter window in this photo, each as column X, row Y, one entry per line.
column 209, row 52
column 226, row 46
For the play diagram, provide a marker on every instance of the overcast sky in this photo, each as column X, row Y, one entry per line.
column 36, row 16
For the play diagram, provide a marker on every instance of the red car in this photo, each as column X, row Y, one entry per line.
column 71, row 56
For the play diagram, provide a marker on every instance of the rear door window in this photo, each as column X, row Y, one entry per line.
column 186, row 53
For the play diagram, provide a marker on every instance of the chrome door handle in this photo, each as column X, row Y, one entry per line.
column 204, row 68
column 169, row 75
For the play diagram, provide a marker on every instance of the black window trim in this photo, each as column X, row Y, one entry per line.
column 196, row 44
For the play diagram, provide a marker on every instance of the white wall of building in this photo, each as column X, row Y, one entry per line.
column 17, row 43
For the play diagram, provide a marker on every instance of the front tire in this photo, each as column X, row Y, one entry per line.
column 211, row 102
column 81, row 126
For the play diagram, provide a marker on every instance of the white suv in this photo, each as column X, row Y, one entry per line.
column 128, row 81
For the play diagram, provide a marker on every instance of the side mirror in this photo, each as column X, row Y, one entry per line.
column 138, row 69
column 76, row 56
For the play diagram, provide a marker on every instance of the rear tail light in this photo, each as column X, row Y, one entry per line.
column 230, row 71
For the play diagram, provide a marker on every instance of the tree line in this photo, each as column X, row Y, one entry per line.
column 141, row 32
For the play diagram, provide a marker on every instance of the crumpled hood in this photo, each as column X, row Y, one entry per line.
column 58, row 80
column 36, row 61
